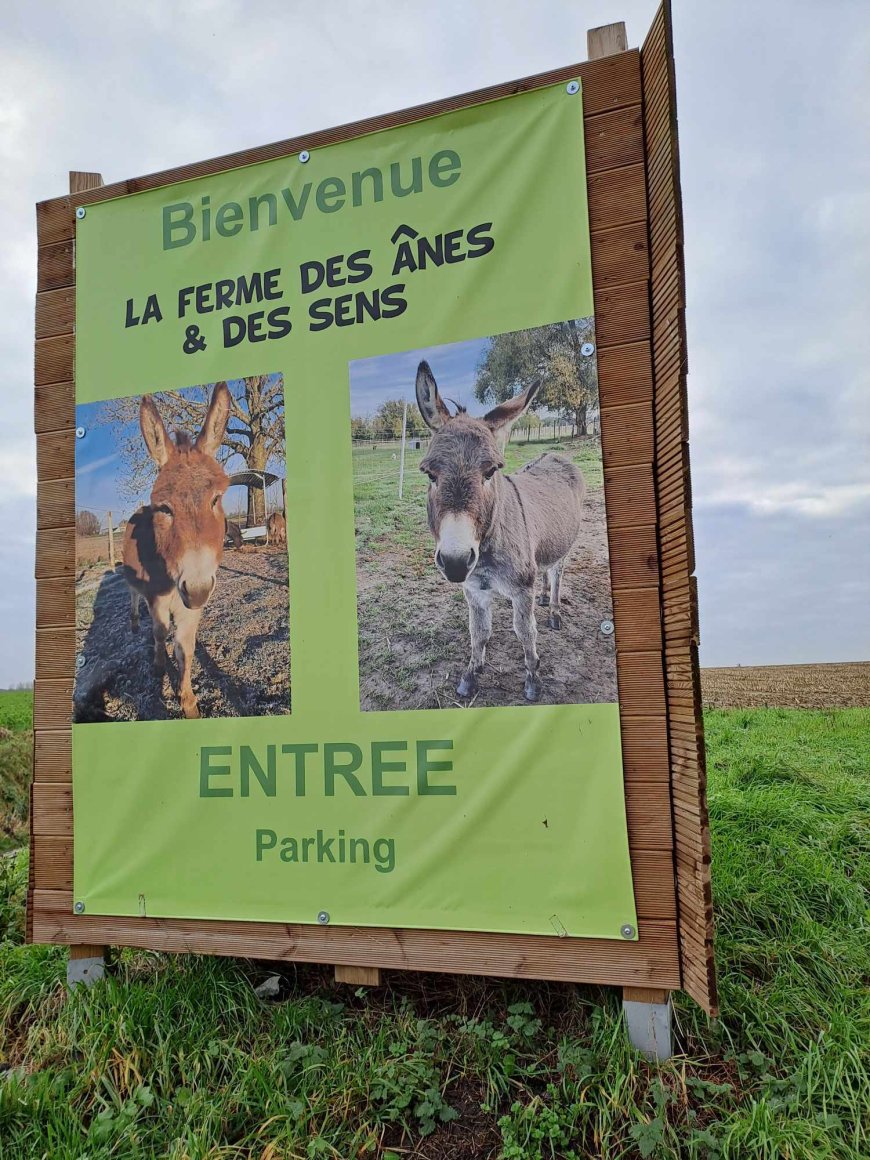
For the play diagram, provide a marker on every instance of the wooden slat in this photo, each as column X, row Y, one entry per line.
column 617, row 196
column 627, row 435
column 358, row 976
column 81, row 180
column 55, row 553
column 56, row 503
column 620, row 255
column 54, row 359
column 645, row 748
column 54, row 266
column 691, row 828
column 622, row 314
column 52, row 704
column 625, row 374
column 642, row 686
column 634, row 556
column 54, row 407
column 614, row 140
column 651, row 961
column 55, row 455
column 55, row 652
column 55, row 603
column 55, row 312
column 630, row 496
column 637, row 618
column 606, row 40
column 53, row 752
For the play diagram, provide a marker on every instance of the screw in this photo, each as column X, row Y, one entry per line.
column 304, row 155
column 80, row 432
column 80, row 662
column 627, row 930
column 607, row 627
column 79, row 908
column 80, row 212
column 587, row 348
column 572, row 87
column 323, row 917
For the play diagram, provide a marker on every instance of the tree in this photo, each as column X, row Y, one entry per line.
column 551, row 353
column 87, row 524
column 360, row 427
column 255, row 431
column 388, row 420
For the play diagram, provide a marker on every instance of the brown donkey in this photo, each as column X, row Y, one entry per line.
column 173, row 546
column 496, row 532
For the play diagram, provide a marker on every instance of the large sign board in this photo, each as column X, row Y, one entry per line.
column 397, row 333
column 331, row 664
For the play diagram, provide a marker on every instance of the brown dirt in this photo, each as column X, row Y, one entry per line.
column 825, row 686
column 414, row 643
column 242, row 663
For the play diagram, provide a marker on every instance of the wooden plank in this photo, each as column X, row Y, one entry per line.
column 644, row 995
column 651, row 961
column 641, row 684
column 691, row 828
column 620, row 255
column 606, row 40
column 625, row 374
column 55, row 455
column 622, row 314
column 629, row 493
column 54, row 407
column 53, row 752
column 55, row 553
column 634, row 556
column 80, row 181
column 52, row 704
column 358, row 976
column 54, row 221
column 645, row 748
column 55, row 503
column 627, row 435
column 54, row 359
column 54, row 267
column 637, row 619
column 55, row 603
column 617, row 196
column 55, row 652
column 614, row 140
column 55, row 312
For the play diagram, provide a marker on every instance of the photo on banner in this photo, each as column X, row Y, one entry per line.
column 483, row 575
column 182, row 585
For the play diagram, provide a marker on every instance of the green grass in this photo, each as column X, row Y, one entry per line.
column 16, row 709
column 176, row 1057
column 16, row 759
column 385, row 522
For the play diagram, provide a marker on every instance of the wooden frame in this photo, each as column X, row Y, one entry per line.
column 630, row 132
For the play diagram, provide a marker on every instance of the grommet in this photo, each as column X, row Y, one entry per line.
column 627, row 930
column 323, row 917
column 79, row 908
column 80, row 432
column 304, row 156
column 607, row 627
column 587, row 348
column 80, row 212
column 572, row 87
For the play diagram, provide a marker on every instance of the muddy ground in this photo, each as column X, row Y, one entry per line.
column 413, row 630
column 242, row 662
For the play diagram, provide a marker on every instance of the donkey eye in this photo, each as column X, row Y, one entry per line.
column 216, row 500
column 489, row 472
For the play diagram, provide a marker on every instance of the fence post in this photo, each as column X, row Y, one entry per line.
column 111, row 542
column 402, row 455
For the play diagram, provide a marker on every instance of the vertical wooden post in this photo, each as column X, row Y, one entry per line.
column 87, row 961
column 111, row 543
column 606, row 40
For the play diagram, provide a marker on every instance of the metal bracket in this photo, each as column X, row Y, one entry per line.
column 649, row 1028
column 85, row 972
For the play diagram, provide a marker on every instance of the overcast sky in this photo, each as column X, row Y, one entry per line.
column 775, row 144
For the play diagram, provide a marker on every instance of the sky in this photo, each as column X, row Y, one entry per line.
column 775, row 158
column 392, row 376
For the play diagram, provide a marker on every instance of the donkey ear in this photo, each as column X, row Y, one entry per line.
column 216, row 418
column 432, row 406
column 159, row 445
column 502, row 417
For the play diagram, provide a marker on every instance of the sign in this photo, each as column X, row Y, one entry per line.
column 351, row 660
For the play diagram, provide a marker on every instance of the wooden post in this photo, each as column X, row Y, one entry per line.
column 111, row 543
column 87, row 961
column 361, row 976
column 606, row 40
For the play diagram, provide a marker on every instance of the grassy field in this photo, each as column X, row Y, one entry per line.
column 177, row 1057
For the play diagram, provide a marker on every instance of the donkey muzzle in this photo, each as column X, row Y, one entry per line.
column 456, row 567
column 195, row 594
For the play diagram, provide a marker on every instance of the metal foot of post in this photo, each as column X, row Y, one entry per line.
column 648, row 1020
column 86, row 964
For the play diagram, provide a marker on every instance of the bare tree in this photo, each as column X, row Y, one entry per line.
column 255, row 430
column 87, row 524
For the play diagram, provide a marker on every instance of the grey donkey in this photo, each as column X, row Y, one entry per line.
column 494, row 532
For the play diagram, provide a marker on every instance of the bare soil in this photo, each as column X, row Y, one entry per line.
column 242, row 662
column 822, row 686
column 414, row 642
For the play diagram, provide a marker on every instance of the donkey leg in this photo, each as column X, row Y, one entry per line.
column 160, row 627
column 134, row 610
column 544, row 598
column 527, row 634
column 554, row 575
column 480, row 630
column 186, row 626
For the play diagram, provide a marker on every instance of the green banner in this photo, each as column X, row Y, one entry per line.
column 343, row 613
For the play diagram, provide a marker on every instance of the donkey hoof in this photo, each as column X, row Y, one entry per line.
column 467, row 687
column 532, row 688
column 554, row 621
column 543, row 600
column 190, row 709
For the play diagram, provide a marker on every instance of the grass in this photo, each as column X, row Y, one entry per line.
column 383, row 521
column 16, row 757
column 177, row 1057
